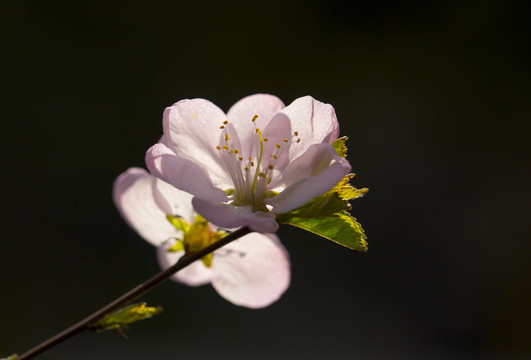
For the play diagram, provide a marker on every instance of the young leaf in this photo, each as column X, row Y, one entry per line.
column 178, row 223
column 11, row 357
column 340, row 227
column 340, row 147
column 123, row 317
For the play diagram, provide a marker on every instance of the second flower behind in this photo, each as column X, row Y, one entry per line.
column 253, row 271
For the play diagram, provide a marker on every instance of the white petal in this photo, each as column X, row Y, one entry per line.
column 278, row 130
column 230, row 217
column 134, row 198
column 312, row 174
column 242, row 113
column 173, row 201
column 315, row 122
column 194, row 274
column 253, row 271
column 181, row 173
column 192, row 127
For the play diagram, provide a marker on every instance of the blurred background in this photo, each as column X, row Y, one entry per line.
column 434, row 97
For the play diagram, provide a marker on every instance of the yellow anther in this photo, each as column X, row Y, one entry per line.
column 225, row 147
column 262, row 174
column 246, row 168
column 257, row 130
column 236, row 151
column 277, row 146
column 225, row 122
column 227, row 137
column 285, row 140
column 265, row 139
column 250, row 158
column 275, row 157
column 298, row 140
column 296, row 133
column 270, row 167
column 254, row 118
column 222, row 127
column 240, row 158
column 218, row 147
column 252, row 163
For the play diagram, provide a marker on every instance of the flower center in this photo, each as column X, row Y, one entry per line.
column 250, row 172
column 196, row 236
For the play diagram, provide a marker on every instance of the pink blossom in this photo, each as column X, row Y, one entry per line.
column 258, row 160
column 253, row 271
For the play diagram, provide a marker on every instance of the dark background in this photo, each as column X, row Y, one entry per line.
column 433, row 96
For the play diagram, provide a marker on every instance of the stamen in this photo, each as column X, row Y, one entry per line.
column 222, row 127
column 254, row 118
column 226, row 122
column 296, row 133
column 218, row 147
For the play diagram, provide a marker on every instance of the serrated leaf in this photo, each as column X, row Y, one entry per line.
column 340, row 227
column 125, row 316
column 11, row 357
column 340, row 147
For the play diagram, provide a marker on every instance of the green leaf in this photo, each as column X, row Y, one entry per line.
column 178, row 223
column 125, row 316
column 340, row 147
column 11, row 357
column 178, row 246
column 340, row 227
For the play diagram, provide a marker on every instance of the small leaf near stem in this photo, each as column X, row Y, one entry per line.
column 10, row 357
column 122, row 318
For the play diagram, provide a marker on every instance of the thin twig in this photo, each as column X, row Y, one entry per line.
column 139, row 290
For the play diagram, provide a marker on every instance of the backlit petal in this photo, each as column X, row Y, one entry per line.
column 242, row 113
column 173, row 201
column 181, row 173
column 315, row 121
column 230, row 216
column 133, row 196
column 253, row 271
column 194, row 274
column 312, row 174
column 192, row 128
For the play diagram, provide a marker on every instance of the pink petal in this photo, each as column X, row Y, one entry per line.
column 192, row 128
column 242, row 113
column 134, row 198
column 310, row 175
column 194, row 274
column 229, row 216
column 253, row 271
column 278, row 129
column 315, row 122
column 181, row 173
column 173, row 201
